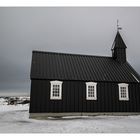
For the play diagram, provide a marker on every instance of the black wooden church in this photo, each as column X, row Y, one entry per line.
column 72, row 84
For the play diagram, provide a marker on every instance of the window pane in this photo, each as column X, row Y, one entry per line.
column 56, row 90
column 90, row 91
column 123, row 92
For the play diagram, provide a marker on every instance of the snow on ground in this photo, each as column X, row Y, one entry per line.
column 3, row 101
column 15, row 119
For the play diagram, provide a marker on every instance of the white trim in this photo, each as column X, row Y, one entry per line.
column 127, row 96
column 135, row 77
column 95, row 90
column 60, row 90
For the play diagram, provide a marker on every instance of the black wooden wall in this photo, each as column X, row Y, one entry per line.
column 120, row 54
column 74, row 98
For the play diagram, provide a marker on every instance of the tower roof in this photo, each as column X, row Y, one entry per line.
column 118, row 42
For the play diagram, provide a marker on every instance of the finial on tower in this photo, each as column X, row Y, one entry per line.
column 118, row 26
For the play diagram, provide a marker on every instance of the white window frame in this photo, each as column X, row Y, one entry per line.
column 127, row 94
column 60, row 90
column 95, row 90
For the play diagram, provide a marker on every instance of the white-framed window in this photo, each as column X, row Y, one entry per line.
column 123, row 92
column 91, row 91
column 56, row 90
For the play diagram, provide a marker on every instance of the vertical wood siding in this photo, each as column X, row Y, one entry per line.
column 74, row 98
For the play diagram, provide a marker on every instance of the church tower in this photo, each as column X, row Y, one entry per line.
column 119, row 49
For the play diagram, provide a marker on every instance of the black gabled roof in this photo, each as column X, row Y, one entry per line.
column 61, row 66
column 118, row 42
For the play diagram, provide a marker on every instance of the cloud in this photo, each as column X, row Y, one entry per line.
column 87, row 30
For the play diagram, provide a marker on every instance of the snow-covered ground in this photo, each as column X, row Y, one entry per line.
column 15, row 119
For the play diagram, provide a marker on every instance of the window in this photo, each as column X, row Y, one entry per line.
column 123, row 92
column 56, row 90
column 91, row 91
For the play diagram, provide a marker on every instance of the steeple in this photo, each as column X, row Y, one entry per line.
column 119, row 49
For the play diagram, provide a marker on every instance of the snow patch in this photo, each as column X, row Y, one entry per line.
column 15, row 119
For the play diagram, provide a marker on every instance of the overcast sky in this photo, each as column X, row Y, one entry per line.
column 69, row 30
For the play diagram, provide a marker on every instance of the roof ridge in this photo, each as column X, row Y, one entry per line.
column 60, row 53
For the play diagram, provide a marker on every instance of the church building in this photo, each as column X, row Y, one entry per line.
column 64, row 84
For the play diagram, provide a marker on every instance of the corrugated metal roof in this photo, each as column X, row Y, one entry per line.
column 60, row 66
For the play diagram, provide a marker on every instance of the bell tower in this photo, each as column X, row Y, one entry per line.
column 119, row 48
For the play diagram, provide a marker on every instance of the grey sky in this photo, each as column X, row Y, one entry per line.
column 70, row 30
